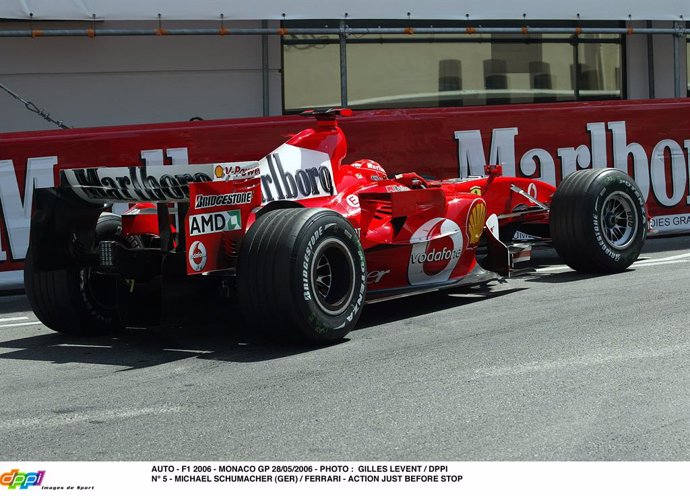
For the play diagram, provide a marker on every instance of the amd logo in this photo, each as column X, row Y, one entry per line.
column 214, row 222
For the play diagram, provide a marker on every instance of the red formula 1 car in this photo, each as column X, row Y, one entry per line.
column 301, row 239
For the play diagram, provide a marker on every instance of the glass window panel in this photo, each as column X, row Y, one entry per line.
column 311, row 75
column 599, row 70
column 428, row 70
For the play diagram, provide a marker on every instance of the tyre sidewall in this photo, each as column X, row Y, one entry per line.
column 318, row 230
column 602, row 251
column 99, row 314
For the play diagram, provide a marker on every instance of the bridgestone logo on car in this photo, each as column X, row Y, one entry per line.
column 305, row 264
column 228, row 199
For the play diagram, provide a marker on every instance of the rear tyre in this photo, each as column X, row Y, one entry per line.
column 302, row 275
column 598, row 220
column 78, row 300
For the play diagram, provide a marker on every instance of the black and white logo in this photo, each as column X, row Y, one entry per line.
column 158, row 183
column 293, row 173
column 215, row 222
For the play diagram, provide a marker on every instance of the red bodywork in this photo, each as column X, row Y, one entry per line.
column 415, row 232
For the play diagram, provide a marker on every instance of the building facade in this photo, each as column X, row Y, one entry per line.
column 130, row 66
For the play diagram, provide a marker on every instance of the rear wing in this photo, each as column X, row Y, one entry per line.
column 216, row 207
column 158, row 184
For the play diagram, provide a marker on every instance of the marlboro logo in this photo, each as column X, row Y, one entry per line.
column 293, row 173
column 139, row 183
column 608, row 146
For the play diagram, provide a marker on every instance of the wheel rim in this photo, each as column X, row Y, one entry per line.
column 332, row 276
column 619, row 220
column 99, row 289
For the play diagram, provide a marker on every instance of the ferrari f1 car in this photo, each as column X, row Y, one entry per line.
column 302, row 240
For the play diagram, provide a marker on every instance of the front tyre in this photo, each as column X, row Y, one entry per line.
column 598, row 220
column 302, row 275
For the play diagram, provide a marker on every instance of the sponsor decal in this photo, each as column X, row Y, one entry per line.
column 215, row 222
column 140, row 183
column 235, row 170
column 648, row 170
column 394, row 188
column 475, row 221
column 305, row 263
column 197, row 256
column 436, row 251
column 671, row 223
column 353, row 201
column 229, row 199
column 375, row 276
column 294, row 173
column 370, row 165
column 16, row 479
column 520, row 236
column 476, row 190
column 362, row 287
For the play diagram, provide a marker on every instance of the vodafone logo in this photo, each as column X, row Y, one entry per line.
column 197, row 256
column 437, row 247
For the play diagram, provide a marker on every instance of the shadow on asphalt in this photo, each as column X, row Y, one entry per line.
column 14, row 303
column 561, row 277
column 228, row 337
column 415, row 306
column 221, row 339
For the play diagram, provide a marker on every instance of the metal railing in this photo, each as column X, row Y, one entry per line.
column 343, row 31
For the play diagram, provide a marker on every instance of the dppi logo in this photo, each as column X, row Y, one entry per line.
column 433, row 260
column 14, row 479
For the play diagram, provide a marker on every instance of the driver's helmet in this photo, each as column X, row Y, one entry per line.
column 372, row 166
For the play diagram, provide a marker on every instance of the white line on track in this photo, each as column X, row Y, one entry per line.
column 11, row 319
column 647, row 262
column 80, row 345
column 584, row 361
column 179, row 350
column 553, row 268
column 19, row 324
column 57, row 420
column 652, row 263
column 674, row 257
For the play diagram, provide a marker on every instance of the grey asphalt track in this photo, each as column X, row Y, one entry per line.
column 552, row 365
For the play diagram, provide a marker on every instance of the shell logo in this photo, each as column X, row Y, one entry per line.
column 218, row 172
column 475, row 222
column 437, row 252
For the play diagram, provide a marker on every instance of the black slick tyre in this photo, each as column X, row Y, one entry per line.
column 302, row 275
column 78, row 300
column 598, row 220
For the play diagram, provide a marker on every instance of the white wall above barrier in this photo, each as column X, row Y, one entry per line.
column 675, row 10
